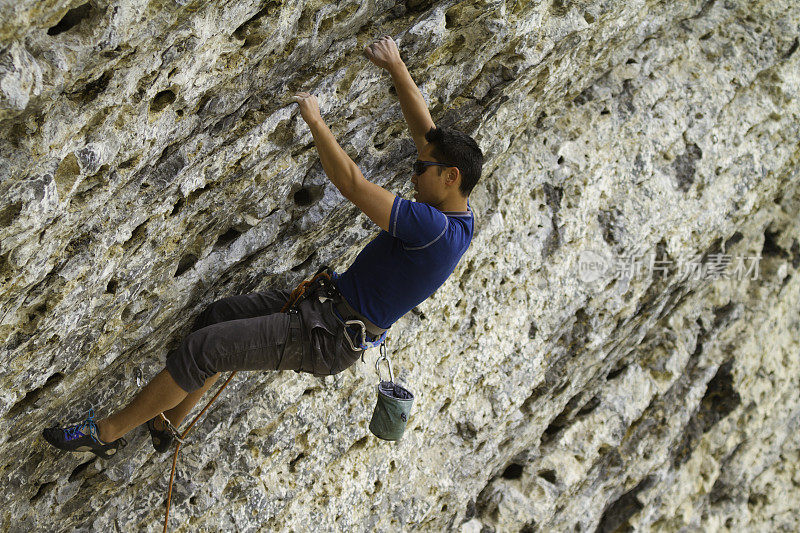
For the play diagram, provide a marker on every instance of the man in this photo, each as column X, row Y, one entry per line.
column 416, row 250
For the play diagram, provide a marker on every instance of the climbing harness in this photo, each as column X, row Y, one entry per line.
column 364, row 344
column 322, row 280
column 362, row 326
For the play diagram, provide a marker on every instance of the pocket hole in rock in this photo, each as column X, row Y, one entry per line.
column 111, row 288
column 552, row 430
column 792, row 49
column 71, row 19
column 590, row 406
column 44, row 488
column 444, row 406
column 293, row 462
column 177, row 207
column 305, row 263
column 512, row 471
column 92, row 89
column 302, row 197
column 359, row 444
column 226, row 238
column 247, row 26
column 306, row 196
column 195, row 194
column 30, row 399
column 161, row 100
column 548, row 475
column 78, row 469
column 419, row 313
column 137, row 236
column 187, row 262
column 616, row 372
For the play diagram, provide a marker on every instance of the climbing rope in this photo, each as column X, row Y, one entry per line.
column 294, row 298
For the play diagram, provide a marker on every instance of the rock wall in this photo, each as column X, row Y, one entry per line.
column 152, row 162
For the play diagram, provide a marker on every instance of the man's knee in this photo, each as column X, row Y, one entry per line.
column 177, row 369
column 192, row 361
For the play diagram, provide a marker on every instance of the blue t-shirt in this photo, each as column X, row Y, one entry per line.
column 400, row 268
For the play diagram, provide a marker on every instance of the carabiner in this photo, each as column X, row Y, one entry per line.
column 171, row 429
column 388, row 363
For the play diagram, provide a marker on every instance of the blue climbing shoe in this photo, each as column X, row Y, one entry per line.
column 82, row 437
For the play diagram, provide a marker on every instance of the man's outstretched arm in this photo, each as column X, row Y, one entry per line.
column 384, row 53
column 373, row 200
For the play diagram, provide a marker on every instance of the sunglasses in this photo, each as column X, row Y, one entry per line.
column 420, row 166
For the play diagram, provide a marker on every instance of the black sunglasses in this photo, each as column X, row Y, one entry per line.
column 420, row 166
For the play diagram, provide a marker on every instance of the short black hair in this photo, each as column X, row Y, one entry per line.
column 457, row 149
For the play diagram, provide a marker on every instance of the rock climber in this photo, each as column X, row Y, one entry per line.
column 416, row 250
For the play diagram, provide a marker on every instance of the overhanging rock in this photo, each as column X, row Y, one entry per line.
column 152, row 161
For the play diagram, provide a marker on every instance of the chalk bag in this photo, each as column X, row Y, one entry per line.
column 393, row 406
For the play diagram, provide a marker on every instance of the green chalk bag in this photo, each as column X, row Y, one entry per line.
column 393, row 406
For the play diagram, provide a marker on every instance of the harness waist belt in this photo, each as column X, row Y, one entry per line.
column 347, row 311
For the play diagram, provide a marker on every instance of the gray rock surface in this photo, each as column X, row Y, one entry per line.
column 151, row 162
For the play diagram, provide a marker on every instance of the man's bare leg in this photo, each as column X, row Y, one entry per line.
column 160, row 394
column 179, row 412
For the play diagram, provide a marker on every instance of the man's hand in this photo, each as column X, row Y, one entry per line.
column 309, row 108
column 383, row 52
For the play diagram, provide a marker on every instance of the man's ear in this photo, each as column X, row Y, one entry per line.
column 452, row 175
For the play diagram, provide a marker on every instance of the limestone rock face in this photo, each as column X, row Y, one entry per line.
column 619, row 347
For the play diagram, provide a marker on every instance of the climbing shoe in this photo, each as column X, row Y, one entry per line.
column 161, row 438
column 82, row 437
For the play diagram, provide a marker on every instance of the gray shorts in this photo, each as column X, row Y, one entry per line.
column 248, row 332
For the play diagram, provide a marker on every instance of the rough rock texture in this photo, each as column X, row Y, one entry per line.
column 152, row 162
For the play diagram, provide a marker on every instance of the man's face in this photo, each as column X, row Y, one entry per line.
column 428, row 186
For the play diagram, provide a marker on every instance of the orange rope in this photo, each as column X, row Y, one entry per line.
column 296, row 294
column 178, row 447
